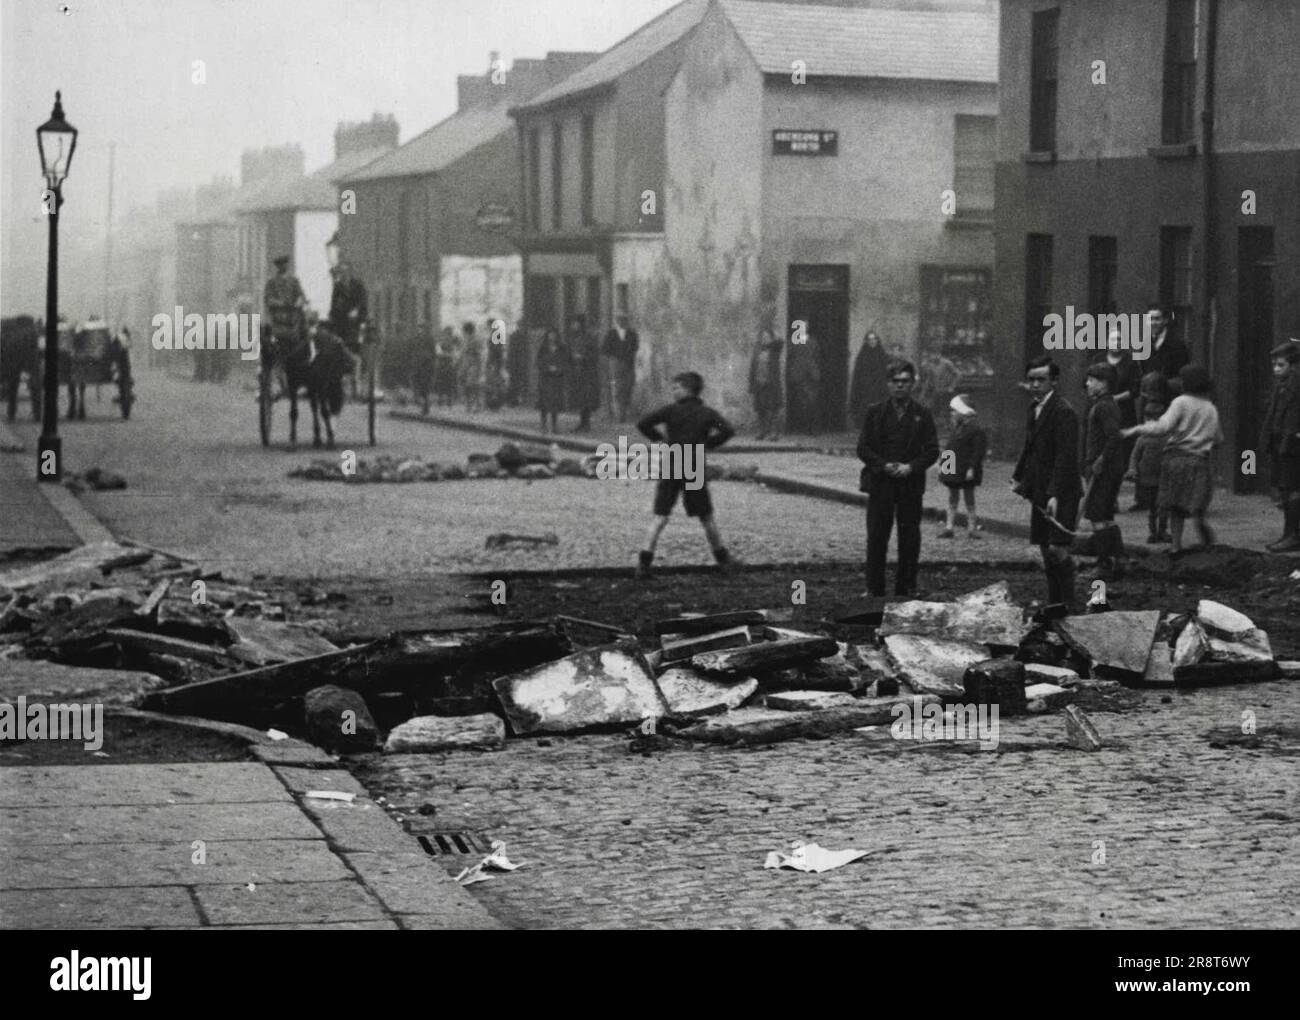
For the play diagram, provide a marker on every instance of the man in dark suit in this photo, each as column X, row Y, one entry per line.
column 1047, row 475
column 897, row 444
column 620, row 361
column 1168, row 352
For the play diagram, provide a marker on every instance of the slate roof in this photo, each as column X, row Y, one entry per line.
column 864, row 43
column 441, row 145
column 624, row 56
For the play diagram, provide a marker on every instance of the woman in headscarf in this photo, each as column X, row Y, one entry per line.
column 869, row 385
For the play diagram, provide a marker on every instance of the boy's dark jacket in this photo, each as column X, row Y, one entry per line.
column 920, row 446
column 1282, row 419
column 969, row 443
column 1148, row 452
column 689, row 421
column 1049, row 464
column 1102, row 441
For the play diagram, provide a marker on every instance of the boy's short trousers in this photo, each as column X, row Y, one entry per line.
column 697, row 501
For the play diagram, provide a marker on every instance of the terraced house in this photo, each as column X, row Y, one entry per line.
column 820, row 169
column 1151, row 151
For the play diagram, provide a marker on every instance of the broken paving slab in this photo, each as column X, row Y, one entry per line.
column 863, row 612
column 688, row 692
column 1223, row 621
column 57, row 684
column 933, row 665
column 1045, row 697
column 996, row 624
column 1192, row 645
column 1041, row 673
column 679, row 647
column 707, row 624
column 1219, row 674
column 596, row 687
column 1253, row 646
column 338, row 719
column 263, row 642
column 429, row 733
column 1160, row 665
column 808, row 701
column 996, row 594
column 74, row 565
column 1118, row 640
column 1079, row 730
column 765, row 655
column 767, row 726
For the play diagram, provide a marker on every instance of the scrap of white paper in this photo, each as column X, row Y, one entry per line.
column 814, row 858
column 331, row 795
column 277, row 734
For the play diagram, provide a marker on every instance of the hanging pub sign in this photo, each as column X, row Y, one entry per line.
column 791, row 142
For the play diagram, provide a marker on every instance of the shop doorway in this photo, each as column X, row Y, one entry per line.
column 817, row 371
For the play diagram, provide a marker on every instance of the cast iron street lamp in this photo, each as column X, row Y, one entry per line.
column 57, row 141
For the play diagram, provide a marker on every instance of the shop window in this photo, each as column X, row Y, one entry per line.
column 535, row 178
column 1176, row 275
column 621, row 299
column 557, row 168
column 588, row 169
column 956, row 327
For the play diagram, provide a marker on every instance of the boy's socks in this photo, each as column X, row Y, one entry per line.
column 645, row 558
column 721, row 555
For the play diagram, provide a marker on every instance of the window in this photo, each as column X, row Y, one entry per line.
column 428, row 307
column 557, row 166
column 1103, row 260
column 1038, row 289
column 535, row 178
column 571, row 306
column 621, row 298
column 588, row 169
column 1176, row 275
column 1042, row 97
column 1180, row 73
column 403, row 230
column 973, row 158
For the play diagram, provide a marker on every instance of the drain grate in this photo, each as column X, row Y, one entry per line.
column 446, row 844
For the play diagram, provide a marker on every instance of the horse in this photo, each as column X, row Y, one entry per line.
column 20, row 352
column 315, row 361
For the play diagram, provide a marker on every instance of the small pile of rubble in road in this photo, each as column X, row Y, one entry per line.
column 527, row 461
column 124, row 623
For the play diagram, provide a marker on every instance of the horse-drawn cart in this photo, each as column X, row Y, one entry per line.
column 295, row 356
column 89, row 355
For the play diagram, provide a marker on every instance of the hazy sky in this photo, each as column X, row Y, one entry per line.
column 277, row 71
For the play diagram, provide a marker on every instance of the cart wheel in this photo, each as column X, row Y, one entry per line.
column 264, row 405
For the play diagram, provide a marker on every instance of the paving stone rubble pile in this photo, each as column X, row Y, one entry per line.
column 125, row 624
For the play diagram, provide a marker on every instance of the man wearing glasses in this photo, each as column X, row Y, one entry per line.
column 897, row 444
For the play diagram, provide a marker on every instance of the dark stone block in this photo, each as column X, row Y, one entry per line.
column 998, row 682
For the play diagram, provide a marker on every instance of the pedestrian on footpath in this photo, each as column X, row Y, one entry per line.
column 1280, row 439
column 765, row 383
column 961, row 466
column 552, row 368
column 620, row 349
column 1144, row 472
column 897, row 444
column 446, row 366
column 1103, row 468
column 471, row 369
column 687, row 422
column 1047, row 474
column 1193, row 429
column 869, row 385
column 584, row 371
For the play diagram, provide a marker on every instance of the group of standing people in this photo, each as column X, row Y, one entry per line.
column 569, row 372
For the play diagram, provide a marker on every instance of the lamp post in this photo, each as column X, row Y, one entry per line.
column 57, row 141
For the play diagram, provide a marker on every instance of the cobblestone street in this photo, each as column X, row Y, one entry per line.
column 1179, row 822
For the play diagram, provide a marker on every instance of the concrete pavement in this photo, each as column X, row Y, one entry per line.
column 214, row 845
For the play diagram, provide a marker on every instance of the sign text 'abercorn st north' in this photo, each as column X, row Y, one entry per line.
column 791, row 142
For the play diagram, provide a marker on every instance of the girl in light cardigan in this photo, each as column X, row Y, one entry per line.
column 1192, row 427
